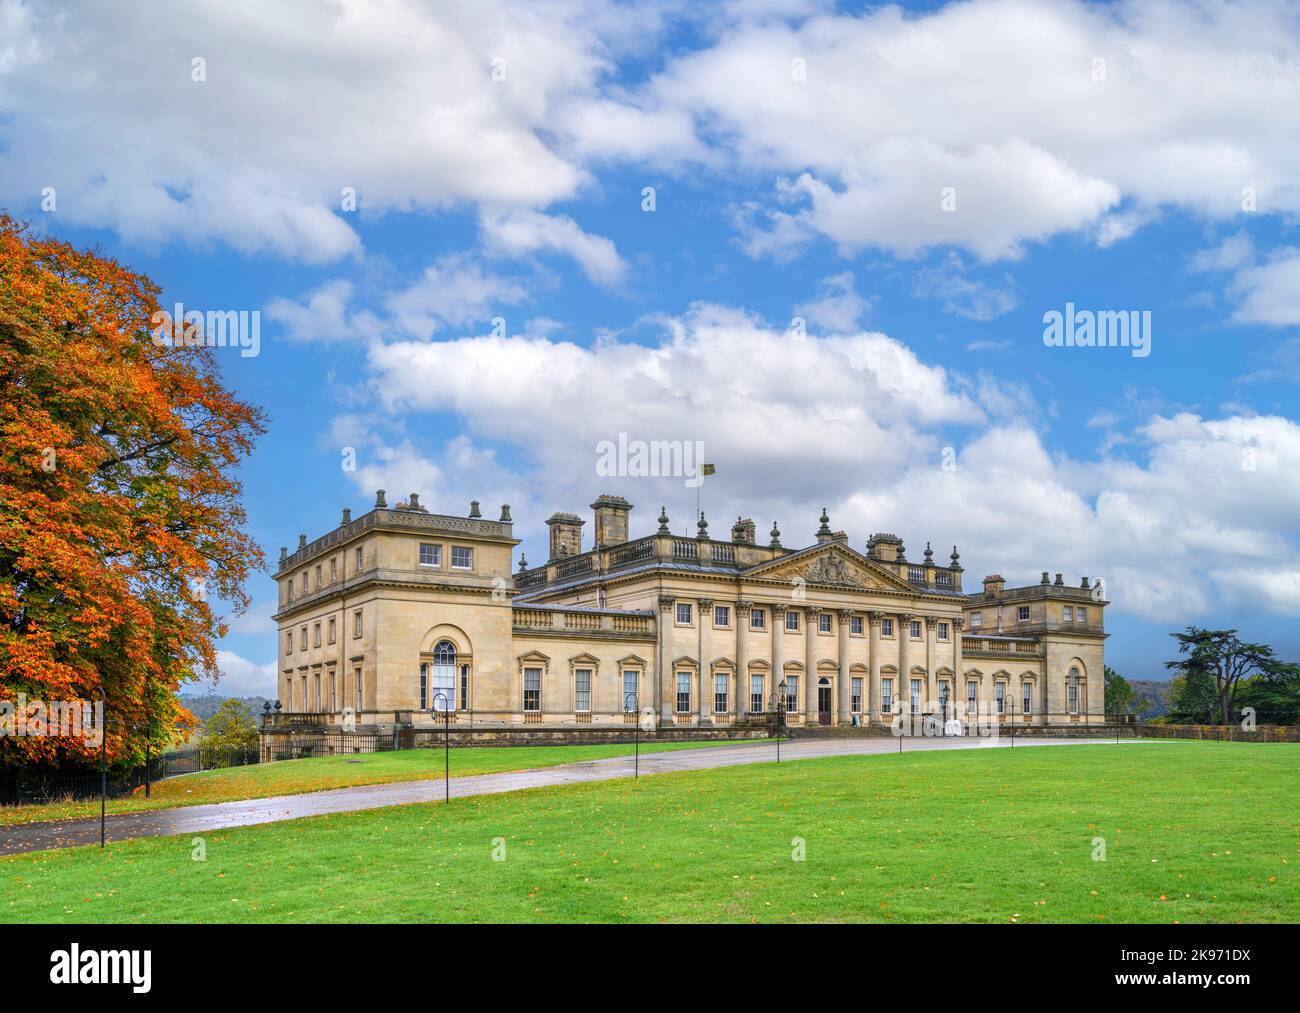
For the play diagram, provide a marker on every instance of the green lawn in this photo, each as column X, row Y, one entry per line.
column 1193, row 832
column 292, row 777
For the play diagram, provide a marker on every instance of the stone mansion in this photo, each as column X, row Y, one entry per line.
column 402, row 614
column 410, row 617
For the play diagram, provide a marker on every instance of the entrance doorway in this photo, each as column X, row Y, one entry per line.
column 824, row 701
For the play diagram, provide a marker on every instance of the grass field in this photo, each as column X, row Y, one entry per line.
column 292, row 777
column 1193, row 832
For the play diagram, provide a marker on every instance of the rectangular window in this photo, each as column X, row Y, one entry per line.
column 304, row 581
column 462, row 557
column 721, row 615
column 943, row 631
column 976, row 620
column 756, row 705
column 360, row 559
column 582, row 690
column 532, row 690
column 824, row 623
column 791, row 693
column 288, row 693
column 1000, row 696
column 302, row 639
column 970, row 695
column 1081, row 614
column 1027, row 703
column 315, row 680
column 356, row 623
column 855, row 625
column 916, row 696
column 464, row 687
column 855, row 698
column 629, row 701
column 720, row 682
column 1068, row 613
column 792, row 620
column 333, row 695
column 424, row 686
column 1022, row 614
column 318, row 576
column 886, row 627
column 334, row 569
column 356, row 679
column 430, row 555
column 915, row 631
column 683, row 613
column 315, row 635
column 333, row 631
column 887, row 696
column 288, row 642
column 683, row 692
column 757, row 619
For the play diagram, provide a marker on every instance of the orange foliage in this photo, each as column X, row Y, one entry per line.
column 120, row 520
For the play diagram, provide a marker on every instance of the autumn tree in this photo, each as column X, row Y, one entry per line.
column 121, row 520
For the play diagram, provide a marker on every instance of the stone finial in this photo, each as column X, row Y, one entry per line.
column 703, row 527
column 1046, row 579
column 929, row 555
column 775, row 543
column 663, row 521
column 505, row 514
column 473, row 508
column 284, row 555
column 1060, row 580
column 1084, row 583
column 380, row 502
column 302, row 541
column 902, row 552
column 523, row 562
column 414, row 501
column 825, row 529
column 347, row 516
column 955, row 557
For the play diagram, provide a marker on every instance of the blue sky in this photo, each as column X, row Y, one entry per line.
column 800, row 156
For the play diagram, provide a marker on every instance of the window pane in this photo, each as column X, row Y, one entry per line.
column 582, row 690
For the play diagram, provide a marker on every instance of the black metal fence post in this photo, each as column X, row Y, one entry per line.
column 103, row 763
column 634, row 710
column 446, row 741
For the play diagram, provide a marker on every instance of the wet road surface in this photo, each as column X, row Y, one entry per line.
column 23, row 838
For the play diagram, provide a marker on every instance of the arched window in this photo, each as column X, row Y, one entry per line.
column 440, row 677
column 1073, row 691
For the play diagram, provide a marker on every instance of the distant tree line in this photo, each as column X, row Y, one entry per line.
column 1218, row 678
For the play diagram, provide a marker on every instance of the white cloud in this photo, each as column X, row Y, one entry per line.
column 520, row 233
column 837, row 305
column 863, row 422
column 963, row 296
column 238, row 677
column 1005, row 102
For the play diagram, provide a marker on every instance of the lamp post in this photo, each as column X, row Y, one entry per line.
column 446, row 740
column 103, row 762
column 634, row 710
column 779, row 710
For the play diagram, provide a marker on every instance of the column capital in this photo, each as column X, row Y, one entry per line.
column 906, row 617
column 958, row 623
column 931, row 621
column 744, row 606
column 844, row 614
column 812, row 610
column 778, row 612
column 705, row 602
column 875, row 617
column 666, row 602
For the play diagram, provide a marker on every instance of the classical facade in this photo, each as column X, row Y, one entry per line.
column 401, row 614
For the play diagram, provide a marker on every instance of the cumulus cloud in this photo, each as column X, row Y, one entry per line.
column 238, row 677
column 520, row 233
column 864, row 424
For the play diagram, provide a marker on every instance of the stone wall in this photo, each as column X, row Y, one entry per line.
column 1223, row 733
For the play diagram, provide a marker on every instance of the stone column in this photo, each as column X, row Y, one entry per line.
column 810, row 614
column 778, row 655
column 904, row 620
column 931, row 680
column 844, row 616
column 663, row 666
column 741, row 704
column 959, row 675
column 873, row 663
column 704, row 710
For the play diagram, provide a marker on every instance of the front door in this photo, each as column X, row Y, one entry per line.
column 824, row 702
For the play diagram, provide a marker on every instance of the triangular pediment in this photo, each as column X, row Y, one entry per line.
column 831, row 565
